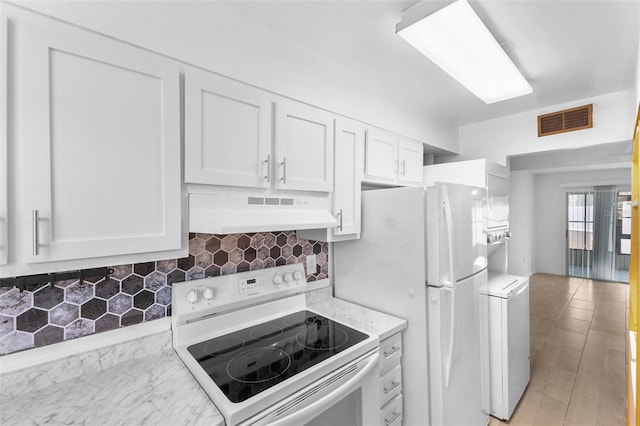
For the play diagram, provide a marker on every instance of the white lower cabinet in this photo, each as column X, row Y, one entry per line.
column 390, row 383
column 95, row 147
column 391, row 160
column 391, row 414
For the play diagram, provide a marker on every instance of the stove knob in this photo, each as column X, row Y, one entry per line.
column 297, row 275
column 277, row 279
column 193, row 296
column 491, row 238
column 288, row 277
column 208, row 293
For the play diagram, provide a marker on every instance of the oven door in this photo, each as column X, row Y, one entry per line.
column 347, row 396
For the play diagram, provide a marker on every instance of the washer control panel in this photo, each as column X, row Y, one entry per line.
column 497, row 237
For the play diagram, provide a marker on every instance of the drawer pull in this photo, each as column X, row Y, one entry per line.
column 391, row 351
column 394, row 415
column 390, row 389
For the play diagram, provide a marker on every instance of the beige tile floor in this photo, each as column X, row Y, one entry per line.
column 578, row 332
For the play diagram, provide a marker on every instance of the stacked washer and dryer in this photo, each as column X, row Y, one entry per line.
column 504, row 298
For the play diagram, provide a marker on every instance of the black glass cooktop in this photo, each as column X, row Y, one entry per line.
column 248, row 361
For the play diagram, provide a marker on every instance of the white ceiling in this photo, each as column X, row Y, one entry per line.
column 330, row 52
column 567, row 50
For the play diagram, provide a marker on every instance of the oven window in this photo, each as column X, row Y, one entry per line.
column 348, row 411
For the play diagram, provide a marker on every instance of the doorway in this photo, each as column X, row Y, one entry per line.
column 598, row 233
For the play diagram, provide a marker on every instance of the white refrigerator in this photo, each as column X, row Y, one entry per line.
column 422, row 257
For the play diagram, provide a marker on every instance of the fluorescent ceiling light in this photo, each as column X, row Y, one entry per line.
column 456, row 40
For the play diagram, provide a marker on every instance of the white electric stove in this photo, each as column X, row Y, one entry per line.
column 264, row 357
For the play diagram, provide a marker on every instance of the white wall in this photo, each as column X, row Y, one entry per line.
column 215, row 37
column 516, row 134
column 549, row 213
column 521, row 223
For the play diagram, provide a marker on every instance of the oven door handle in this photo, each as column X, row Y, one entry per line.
column 309, row 412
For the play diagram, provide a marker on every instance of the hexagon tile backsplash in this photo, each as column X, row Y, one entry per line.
column 141, row 292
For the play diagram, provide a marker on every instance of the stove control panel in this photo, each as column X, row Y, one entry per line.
column 216, row 294
column 246, row 285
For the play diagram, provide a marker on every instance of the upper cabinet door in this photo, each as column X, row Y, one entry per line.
column 381, row 156
column 98, row 146
column 303, row 148
column 227, row 132
column 348, row 176
column 410, row 162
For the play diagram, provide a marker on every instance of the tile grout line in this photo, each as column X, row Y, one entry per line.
column 573, row 385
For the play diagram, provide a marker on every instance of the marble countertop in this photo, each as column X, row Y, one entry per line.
column 371, row 321
column 155, row 389
column 110, row 386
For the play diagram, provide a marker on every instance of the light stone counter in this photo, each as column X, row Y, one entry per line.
column 139, row 382
column 148, row 389
column 378, row 323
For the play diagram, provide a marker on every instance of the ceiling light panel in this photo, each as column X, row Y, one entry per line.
column 456, row 40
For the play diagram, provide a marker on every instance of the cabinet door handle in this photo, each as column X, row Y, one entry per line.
column 392, row 350
column 340, row 223
column 404, row 167
column 284, row 170
column 267, row 163
column 35, row 225
column 394, row 415
column 393, row 385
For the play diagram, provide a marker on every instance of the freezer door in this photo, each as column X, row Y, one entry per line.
column 456, row 386
column 456, row 233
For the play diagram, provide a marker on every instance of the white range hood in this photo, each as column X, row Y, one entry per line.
column 232, row 213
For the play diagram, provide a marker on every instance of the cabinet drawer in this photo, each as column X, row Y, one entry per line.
column 390, row 385
column 391, row 414
column 390, row 352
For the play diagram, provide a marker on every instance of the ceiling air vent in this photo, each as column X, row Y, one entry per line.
column 567, row 120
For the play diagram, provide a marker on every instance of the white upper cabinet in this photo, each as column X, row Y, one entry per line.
column 227, row 132
column 348, row 147
column 410, row 162
column 392, row 160
column 303, row 147
column 228, row 137
column 347, row 178
column 97, row 143
column 381, row 156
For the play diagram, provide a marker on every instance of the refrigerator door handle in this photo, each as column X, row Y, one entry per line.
column 448, row 222
column 452, row 335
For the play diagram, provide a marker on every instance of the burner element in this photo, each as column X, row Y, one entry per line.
column 264, row 332
column 223, row 345
column 258, row 365
column 321, row 337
